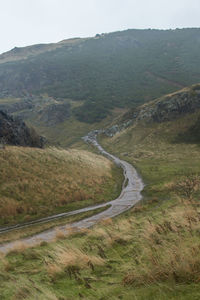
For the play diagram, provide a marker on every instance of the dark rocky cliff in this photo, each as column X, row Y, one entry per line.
column 15, row 132
column 166, row 108
column 169, row 107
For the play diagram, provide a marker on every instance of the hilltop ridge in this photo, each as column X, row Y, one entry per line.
column 119, row 69
column 22, row 53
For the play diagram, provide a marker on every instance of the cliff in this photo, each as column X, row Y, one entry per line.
column 15, row 132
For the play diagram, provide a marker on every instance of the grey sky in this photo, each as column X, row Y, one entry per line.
column 26, row 22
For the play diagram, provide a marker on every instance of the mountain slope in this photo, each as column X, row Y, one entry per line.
column 168, row 107
column 162, row 140
column 117, row 69
column 26, row 52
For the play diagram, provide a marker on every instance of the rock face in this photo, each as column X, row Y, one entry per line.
column 15, row 132
column 111, row 131
column 169, row 107
column 166, row 108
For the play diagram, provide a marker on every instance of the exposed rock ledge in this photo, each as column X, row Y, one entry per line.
column 15, row 132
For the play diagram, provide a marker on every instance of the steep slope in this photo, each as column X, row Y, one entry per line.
column 15, row 132
column 169, row 107
column 161, row 139
column 35, row 183
column 117, row 69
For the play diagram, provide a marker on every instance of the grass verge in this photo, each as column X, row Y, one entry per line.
column 37, row 228
column 142, row 254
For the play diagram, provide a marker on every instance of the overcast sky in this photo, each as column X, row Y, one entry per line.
column 26, row 22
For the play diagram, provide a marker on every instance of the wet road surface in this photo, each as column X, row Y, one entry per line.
column 130, row 195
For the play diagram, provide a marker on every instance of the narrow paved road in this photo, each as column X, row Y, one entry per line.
column 130, row 195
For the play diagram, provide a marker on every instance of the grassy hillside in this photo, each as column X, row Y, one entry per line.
column 157, row 154
column 22, row 53
column 36, row 183
column 118, row 69
column 163, row 138
column 70, row 132
column 150, row 252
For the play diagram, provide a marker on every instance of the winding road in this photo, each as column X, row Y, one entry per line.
column 130, row 195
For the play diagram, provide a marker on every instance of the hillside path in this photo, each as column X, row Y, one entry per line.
column 130, row 195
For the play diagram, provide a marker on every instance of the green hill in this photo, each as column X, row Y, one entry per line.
column 162, row 140
column 114, row 81
column 120, row 69
column 150, row 252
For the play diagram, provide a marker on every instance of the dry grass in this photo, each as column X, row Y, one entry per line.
column 28, row 290
column 18, row 247
column 35, row 182
column 150, row 252
column 67, row 230
column 75, row 257
column 170, row 249
column 71, row 260
column 60, row 234
column 112, row 232
column 165, row 243
column 107, row 221
column 141, row 248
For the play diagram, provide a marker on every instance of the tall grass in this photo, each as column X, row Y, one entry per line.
column 150, row 252
column 132, row 255
column 35, row 182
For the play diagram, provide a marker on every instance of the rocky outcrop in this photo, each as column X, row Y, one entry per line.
column 15, row 132
column 111, row 131
column 170, row 107
column 163, row 109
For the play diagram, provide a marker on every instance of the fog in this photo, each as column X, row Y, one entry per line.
column 26, row 22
